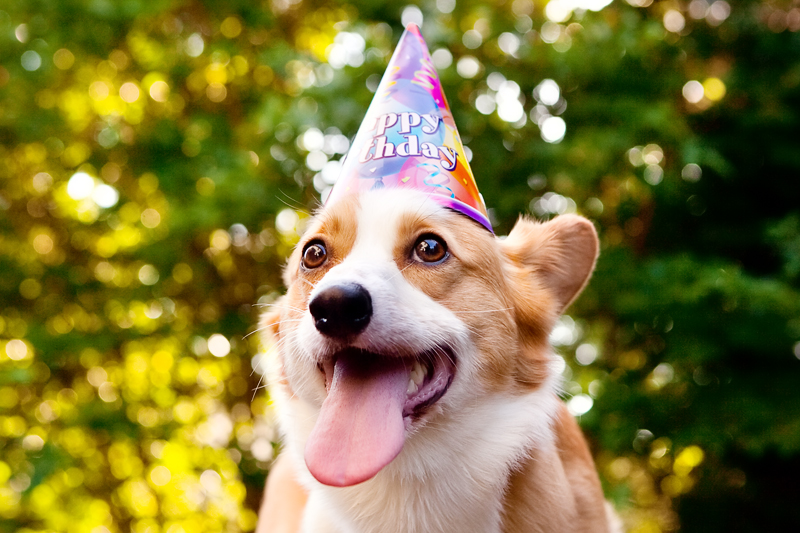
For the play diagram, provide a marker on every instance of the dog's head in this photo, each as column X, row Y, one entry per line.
column 399, row 312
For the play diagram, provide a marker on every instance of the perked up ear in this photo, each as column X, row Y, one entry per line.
column 560, row 253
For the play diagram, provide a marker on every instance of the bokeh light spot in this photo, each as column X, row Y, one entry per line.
column 411, row 15
column 635, row 156
column 286, row 221
column 472, row 39
column 585, row 354
column 446, row 6
column 714, row 89
column 107, row 392
column 218, row 345
column 31, row 60
column 673, row 21
column 205, row 186
column 698, row 9
column 691, row 172
column 510, row 110
column 553, row 129
column 652, row 154
column 547, row 92
column 63, row 59
column 159, row 91
column 30, row 289
column 231, row 27
column 182, row 273
column 21, row 33
column 96, row 376
column 720, row 10
column 129, row 92
column 33, row 443
column 558, row 10
column 220, row 239
column 316, row 160
column 99, row 91
column 42, row 182
column 485, row 104
column 148, row 275
column 43, row 244
column 442, row 58
column 216, row 92
column 17, row 350
column 687, row 459
column 693, row 91
column 580, row 404
column 105, row 195
column 551, row 31
column 312, row 139
column 653, row 174
column 160, row 475
column 80, row 186
column 194, row 45
column 468, row 67
column 150, row 218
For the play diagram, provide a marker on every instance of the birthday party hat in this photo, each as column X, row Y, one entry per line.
column 408, row 138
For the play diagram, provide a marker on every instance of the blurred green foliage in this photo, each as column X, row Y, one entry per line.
column 158, row 159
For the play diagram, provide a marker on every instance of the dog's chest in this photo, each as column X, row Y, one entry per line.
column 452, row 479
column 453, row 506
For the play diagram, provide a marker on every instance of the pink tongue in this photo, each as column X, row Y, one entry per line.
column 360, row 428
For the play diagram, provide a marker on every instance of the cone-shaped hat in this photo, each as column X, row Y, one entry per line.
column 408, row 138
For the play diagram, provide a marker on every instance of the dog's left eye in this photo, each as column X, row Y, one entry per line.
column 430, row 249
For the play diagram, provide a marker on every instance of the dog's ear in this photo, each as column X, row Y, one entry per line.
column 560, row 253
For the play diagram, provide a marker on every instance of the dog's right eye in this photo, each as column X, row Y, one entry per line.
column 314, row 255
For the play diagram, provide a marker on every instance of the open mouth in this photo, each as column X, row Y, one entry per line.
column 429, row 374
column 372, row 401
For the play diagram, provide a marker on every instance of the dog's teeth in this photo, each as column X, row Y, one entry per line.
column 412, row 387
column 417, row 374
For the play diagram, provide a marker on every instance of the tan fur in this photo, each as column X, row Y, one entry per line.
column 506, row 296
column 548, row 265
column 282, row 509
column 467, row 285
column 557, row 489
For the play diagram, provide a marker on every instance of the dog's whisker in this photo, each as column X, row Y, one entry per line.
column 256, row 331
column 263, row 328
column 278, row 346
column 255, row 390
column 312, row 285
column 289, row 307
column 276, row 304
column 295, row 204
column 390, row 278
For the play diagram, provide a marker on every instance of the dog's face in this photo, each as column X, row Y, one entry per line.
column 399, row 312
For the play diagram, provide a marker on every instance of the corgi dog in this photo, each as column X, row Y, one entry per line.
column 413, row 378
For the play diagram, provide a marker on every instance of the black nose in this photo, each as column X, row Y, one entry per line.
column 342, row 310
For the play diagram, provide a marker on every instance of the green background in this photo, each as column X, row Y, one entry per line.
column 202, row 133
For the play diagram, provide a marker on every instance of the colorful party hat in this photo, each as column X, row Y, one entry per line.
column 408, row 138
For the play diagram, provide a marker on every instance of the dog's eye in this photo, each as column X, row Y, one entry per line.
column 314, row 255
column 430, row 249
